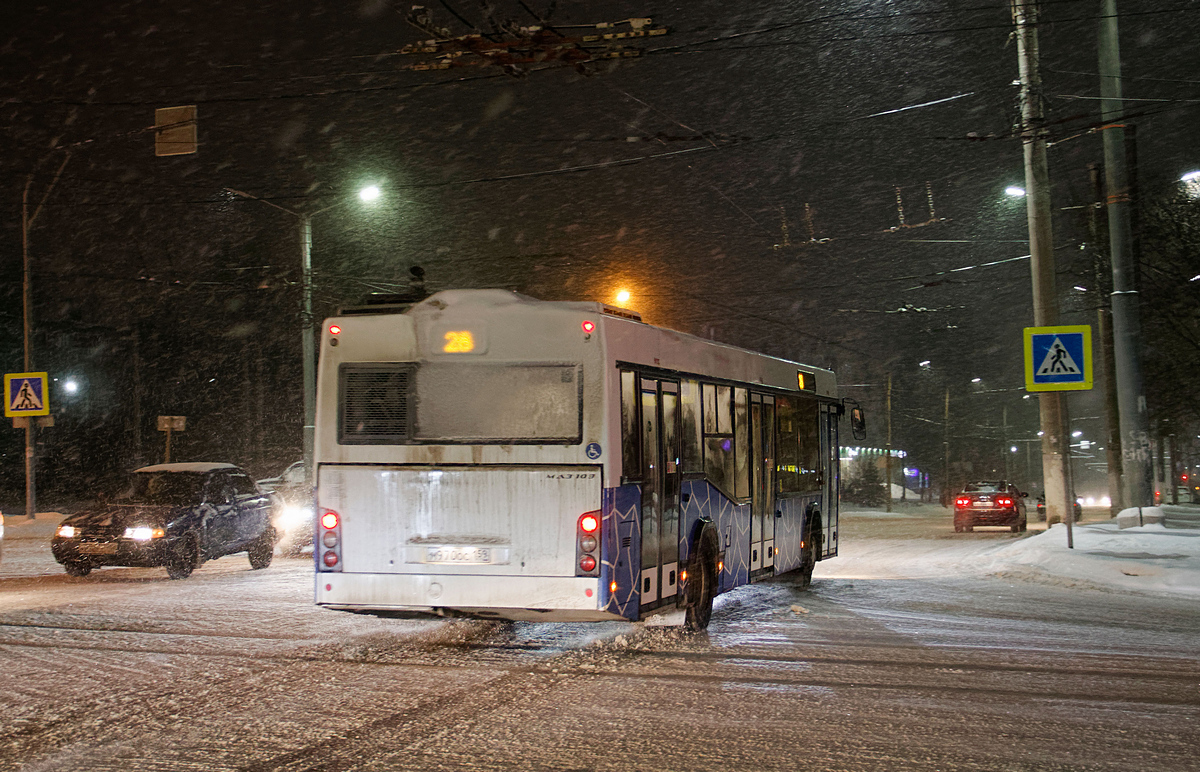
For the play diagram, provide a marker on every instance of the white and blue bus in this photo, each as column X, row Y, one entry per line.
column 484, row 453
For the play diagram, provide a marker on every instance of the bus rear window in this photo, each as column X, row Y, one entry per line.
column 478, row 403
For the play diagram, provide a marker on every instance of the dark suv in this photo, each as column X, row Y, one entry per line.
column 174, row 515
column 989, row 503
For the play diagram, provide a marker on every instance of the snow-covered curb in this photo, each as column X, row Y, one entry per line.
column 1148, row 558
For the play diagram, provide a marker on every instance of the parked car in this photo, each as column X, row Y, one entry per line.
column 1041, row 508
column 292, row 508
column 173, row 515
column 990, row 503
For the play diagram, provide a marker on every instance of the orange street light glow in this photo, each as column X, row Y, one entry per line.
column 623, row 296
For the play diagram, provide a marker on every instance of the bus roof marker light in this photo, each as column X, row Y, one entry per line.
column 588, row 326
column 335, row 330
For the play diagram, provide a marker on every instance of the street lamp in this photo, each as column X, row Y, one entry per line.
column 1191, row 183
column 1013, row 191
column 308, row 344
column 623, row 296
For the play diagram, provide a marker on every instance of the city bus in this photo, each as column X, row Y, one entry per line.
column 483, row 453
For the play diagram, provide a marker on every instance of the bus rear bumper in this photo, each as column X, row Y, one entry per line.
column 522, row 598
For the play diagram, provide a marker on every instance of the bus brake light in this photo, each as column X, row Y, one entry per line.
column 329, row 519
column 589, row 523
column 331, row 559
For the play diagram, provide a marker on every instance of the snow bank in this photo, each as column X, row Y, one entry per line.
column 1149, row 558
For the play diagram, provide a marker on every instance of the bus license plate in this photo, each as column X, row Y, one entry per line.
column 458, row 555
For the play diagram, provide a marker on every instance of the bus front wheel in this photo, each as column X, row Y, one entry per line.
column 702, row 583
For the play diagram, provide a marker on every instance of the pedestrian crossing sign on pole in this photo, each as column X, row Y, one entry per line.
column 1058, row 358
column 25, row 395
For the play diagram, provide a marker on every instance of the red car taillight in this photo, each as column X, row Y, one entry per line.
column 1004, row 501
column 329, row 542
column 962, row 502
column 587, row 544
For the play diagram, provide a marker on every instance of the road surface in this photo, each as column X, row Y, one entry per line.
column 900, row 657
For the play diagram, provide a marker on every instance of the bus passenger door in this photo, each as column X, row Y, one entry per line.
column 762, row 470
column 660, row 491
column 830, row 473
column 652, row 492
column 672, row 482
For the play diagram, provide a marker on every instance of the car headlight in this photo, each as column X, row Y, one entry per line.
column 293, row 515
column 67, row 531
column 144, row 533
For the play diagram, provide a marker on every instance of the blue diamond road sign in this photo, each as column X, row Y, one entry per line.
column 1058, row 358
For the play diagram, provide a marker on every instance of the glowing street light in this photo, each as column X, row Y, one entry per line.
column 1191, row 183
column 623, row 296
column 71, row 387
column 369, row 193
column 1014, row 192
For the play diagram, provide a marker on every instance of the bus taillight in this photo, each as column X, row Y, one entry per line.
column 330, row 542
column 587, row 544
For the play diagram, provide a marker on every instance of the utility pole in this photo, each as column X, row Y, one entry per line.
column 307, row 346
column 27, row 317
column 887, row 462
column 1127, row 332
column 1108, row 374
column 1051, row 404
column 31, row 423
column 946, row 492
column 1004, row 443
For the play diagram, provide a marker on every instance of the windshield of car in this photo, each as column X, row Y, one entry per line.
column 983, row 487
column 170, row 488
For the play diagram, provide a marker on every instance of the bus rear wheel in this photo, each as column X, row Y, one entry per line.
column 808, row 559
column 702, row 584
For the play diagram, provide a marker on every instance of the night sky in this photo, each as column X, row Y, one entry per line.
column 672, row 174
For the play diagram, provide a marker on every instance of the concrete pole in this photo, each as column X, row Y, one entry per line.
column 27, row 319
column 887, row 462
column 307, row 345
column 947, row 493
column 1004, row 443
column 1051, row 405
column 1127, row 332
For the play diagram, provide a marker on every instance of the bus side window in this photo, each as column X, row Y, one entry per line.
column 787, row 462
column 689, row 400
column 809, row 456
column 719, row 453
column 742, row 442
column 631, row 466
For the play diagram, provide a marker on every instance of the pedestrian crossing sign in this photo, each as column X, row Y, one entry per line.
column 1058, row 358
column 25, row 395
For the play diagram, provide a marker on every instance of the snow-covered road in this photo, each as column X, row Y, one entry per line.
column 911, row 652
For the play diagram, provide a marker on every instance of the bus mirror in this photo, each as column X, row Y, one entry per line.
column 858, row 423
